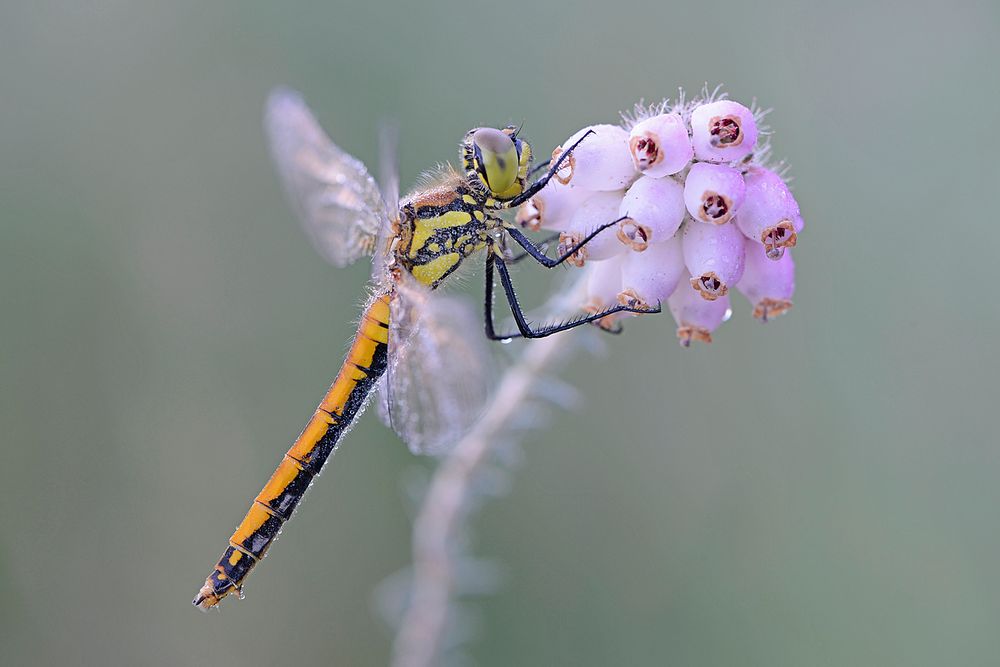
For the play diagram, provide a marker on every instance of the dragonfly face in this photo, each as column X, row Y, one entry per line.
column 496, row 162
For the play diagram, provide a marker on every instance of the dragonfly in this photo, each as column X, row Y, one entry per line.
column 412, row 345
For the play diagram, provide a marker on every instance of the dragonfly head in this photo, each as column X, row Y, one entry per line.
column 496, row 161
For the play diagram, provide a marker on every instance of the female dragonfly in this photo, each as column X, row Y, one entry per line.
column 430, row 394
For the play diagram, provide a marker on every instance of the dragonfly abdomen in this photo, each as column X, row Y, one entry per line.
column 273, row 506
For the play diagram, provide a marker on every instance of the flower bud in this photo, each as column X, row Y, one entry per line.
column 769, row 213
column 660, row 145
column 552, row 207
column 604, row 281
column 696, row 318
column 768, row 284
column 600, row 162
column 713, row 192
column 598, row 209
column 651, row 276
column 656, row 206
column 723, row 131
column 714, row 255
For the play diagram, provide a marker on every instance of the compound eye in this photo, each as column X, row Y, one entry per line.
column 498, row 162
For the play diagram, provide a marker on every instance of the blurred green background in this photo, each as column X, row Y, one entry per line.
column 821, row 490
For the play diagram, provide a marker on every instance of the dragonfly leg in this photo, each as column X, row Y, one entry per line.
column 534, row 188
column 538, row 253
column 511, row 258
column 523, row 327
column 538, row 167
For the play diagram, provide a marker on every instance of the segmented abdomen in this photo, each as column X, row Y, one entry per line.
column 273, row 506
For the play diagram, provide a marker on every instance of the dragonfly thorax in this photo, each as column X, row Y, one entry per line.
column 441, row 226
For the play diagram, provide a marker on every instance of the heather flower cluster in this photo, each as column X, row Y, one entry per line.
column 698, row 212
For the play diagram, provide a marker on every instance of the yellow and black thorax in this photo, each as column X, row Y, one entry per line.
column 441, row 226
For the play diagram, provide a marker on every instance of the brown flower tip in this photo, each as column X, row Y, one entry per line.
column 715, row 208
column 777, row 238
column 645, row 151
column 630, row 299
column 634, row 235
column 725, row 131
column 566, row 241
column 770, row 308
column 565, row 173
column 529, row 215
column 710, row 286
column 687, row 333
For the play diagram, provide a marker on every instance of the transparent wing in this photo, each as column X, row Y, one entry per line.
column 388, row 143
column 439, row 371
column 388, row 153
column 337, row 200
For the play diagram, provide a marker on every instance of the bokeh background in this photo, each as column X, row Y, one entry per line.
column 821, row 490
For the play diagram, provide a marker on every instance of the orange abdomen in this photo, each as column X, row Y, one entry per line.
column 273, row 506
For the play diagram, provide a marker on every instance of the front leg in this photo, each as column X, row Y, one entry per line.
column 511, row 258
column 539, row 254
column 554, row 167
column 538, row 167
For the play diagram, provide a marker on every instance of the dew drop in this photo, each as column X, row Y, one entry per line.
column 505, row 341
column 729, row 313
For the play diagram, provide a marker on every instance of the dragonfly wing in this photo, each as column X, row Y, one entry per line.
column 388, row 153
column 439, row 371
column 333, row 194
column 388, row 141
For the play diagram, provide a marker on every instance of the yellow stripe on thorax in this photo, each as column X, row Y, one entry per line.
column 424, row 228
column 434, row 270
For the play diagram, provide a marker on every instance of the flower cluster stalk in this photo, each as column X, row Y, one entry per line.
column 420, row 637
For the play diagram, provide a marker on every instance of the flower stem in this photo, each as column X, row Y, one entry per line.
column 439, row 520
